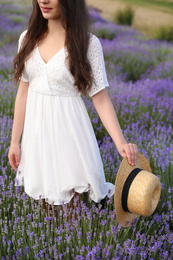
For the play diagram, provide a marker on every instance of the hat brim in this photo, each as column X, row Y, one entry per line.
column 126, row 218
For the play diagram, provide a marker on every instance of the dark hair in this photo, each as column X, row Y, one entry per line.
column 75, row 20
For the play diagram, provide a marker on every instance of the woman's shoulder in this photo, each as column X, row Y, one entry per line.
column 95, row 45
column 22, row 35
column 93, row 39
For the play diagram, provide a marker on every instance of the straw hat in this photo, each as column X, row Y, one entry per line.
column 137, row 191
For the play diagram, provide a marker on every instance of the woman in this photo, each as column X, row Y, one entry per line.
column 58, row 60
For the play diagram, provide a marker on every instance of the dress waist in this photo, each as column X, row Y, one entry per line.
column 44, row 89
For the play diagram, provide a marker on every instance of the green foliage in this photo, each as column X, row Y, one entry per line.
column 166, row 5
column 134, row 68
column 124, row 17
column 8, row 38
column 17, row 18
column 105, row 34
column 7, row 95
column 20, row 11
column 165, row 33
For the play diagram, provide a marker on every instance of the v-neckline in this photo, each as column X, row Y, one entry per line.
column 52, row 57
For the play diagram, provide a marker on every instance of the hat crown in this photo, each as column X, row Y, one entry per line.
column 144, row 193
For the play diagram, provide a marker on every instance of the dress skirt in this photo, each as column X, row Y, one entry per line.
column 59, row 151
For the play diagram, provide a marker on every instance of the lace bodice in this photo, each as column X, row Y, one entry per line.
column 54, row 77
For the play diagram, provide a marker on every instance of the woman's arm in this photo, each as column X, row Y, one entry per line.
column 107, row 114
column 18, row 123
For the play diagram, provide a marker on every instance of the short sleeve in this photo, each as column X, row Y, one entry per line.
column 96, row 59
column 24, row 76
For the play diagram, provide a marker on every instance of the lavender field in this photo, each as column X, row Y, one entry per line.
column 140, row 73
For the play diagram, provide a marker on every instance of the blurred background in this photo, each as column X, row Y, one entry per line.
column 148, row 15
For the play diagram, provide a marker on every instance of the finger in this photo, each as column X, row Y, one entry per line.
column 17, row 160
column 12, row 165
column 14, row 168
column 12, row 162
column 132, row 150
column 128, row 154
column 136, row 153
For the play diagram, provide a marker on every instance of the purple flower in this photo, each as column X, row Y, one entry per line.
column 9, row 242
column 26, row 249
column 31, row 235
column 41, row 253
column 29, row 217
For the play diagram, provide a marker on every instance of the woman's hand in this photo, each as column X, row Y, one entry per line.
column 130, row 151
column 13, row 156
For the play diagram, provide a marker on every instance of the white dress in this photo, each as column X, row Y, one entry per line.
column 59, row 150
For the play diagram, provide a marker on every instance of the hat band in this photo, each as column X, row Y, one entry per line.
column 126, row 187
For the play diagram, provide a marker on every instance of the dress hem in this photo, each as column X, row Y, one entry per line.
column 109, row 194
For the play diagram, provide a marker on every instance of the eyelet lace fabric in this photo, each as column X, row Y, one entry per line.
column 96, row 58
column 54, row 77
column 59, row 150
